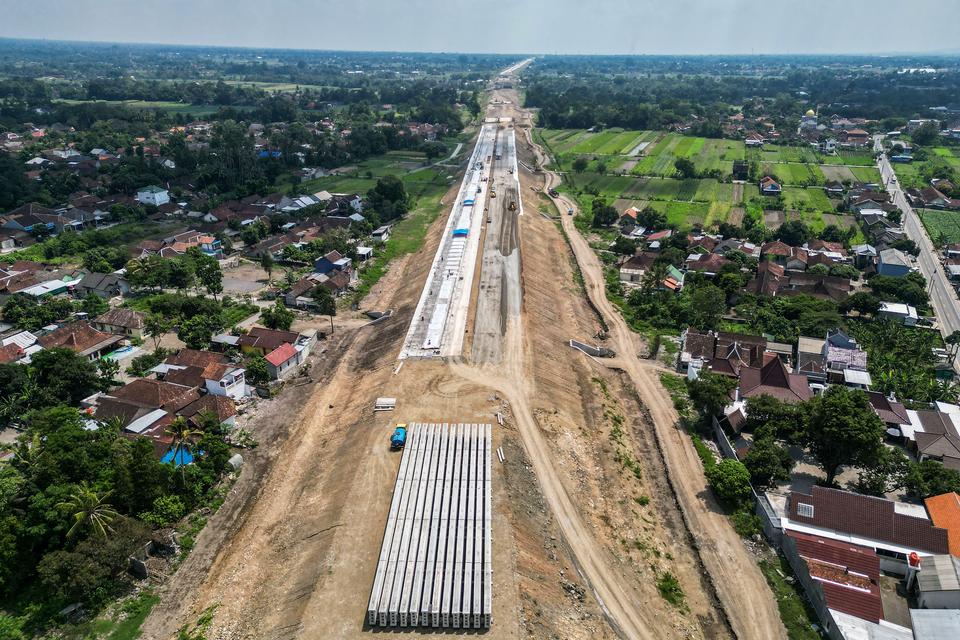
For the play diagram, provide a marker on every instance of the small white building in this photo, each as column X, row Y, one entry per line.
column 938, row 582
column 899, row 311
column 153, row 195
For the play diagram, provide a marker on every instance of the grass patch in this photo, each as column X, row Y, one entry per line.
column 670, row 590
column 943, row 226
column 126, row 621
column 797, row 616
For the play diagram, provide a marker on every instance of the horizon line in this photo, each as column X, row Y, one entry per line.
column 848, row 54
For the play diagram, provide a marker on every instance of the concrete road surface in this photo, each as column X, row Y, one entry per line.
column 943, row 298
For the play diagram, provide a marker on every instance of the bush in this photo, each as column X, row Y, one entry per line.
column 730, row 480
column 166, row 511
column 746, row 523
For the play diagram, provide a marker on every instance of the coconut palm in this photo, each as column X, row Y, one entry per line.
column 89, row 510
column 184, row 437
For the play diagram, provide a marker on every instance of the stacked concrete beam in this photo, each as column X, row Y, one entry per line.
column 435, row 565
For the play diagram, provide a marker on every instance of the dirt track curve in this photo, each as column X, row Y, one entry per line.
column 749, row 603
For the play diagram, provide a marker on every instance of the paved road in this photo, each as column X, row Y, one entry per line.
column 943, row 298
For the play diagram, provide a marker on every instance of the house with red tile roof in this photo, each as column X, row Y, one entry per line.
column 845, row 576
column 80, row 338
column 887, row 527
column 944, row 511
column 284, row 360
column 772, row 378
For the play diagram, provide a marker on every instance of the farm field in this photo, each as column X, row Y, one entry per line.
column 173, row 107
column 942, row 226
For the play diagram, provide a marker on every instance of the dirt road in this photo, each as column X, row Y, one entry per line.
column 749, row 603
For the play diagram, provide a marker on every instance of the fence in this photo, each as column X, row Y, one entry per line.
column 769, row 519
column 811, row 587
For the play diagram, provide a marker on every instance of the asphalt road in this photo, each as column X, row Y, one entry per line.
column 943, row 298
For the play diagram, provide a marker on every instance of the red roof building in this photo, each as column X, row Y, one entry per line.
column 848, row 574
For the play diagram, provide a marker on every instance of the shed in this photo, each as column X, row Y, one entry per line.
column 939, row 582
column 385, row 404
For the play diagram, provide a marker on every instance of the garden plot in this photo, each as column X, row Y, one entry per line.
column 837, row 174
column 943, row 226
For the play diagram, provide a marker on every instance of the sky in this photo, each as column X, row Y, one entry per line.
column 511, row 26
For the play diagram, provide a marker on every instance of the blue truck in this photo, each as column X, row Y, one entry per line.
column 399, row 437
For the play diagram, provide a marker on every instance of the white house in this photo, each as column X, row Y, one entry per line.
column 225, row 380
column 899, row 311
column 153, row 195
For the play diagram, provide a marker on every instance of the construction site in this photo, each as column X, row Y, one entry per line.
column 576, row 493
column 435, row 567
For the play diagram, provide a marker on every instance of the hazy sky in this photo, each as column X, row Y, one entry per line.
column 510, row 26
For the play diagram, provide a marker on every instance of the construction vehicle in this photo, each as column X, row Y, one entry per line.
column 493, row 194
column 513, row 206
column 399, row 438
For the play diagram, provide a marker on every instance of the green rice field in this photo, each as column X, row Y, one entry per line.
column 943, row 226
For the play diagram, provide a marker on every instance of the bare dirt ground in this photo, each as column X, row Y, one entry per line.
column 741, row 588
column 586, row 518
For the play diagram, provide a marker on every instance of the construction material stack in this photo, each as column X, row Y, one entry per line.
column 435, row 567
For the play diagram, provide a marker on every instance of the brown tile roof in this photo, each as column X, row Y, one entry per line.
column 773, row 379
column 222, row 406
column 848, row 574
column 776, row 248
column 868, row 517
column 267, row 339
column 79, row 337
column 126, row 318
column 10, row 353
column 157, row 394
column 195, row 358
column 942, row 446
column 189, row 377
column 944, row 512
column 889, row 411
column 768, row 280
column 640, row 261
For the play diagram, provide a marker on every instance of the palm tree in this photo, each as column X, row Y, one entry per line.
column 183, row 439
column 89, row 510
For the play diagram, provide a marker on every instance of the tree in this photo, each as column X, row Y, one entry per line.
column 156, row 326
column 89, row 510
column 326, row 305
column 862, row 302
column 650, row 218
column 730, row 480
column 794, row 233
column 108, row 368
column 601, row 167
column 768, row 462
column 580, row 164
column 197, row 332
column 624, row 246
column 685, row 168
column 267, row 264
column 257, row 371
column 184, row 438
column 277, row 316
column 930, row 478
column 843, row 430
column 926, row 134
column 209, row 274
column 707, row 305
column 94, row 305
column 63, row 376
column 768, row 417
column 887, row 475
column 389, row 198
column 710, row 393
column 603, row 214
